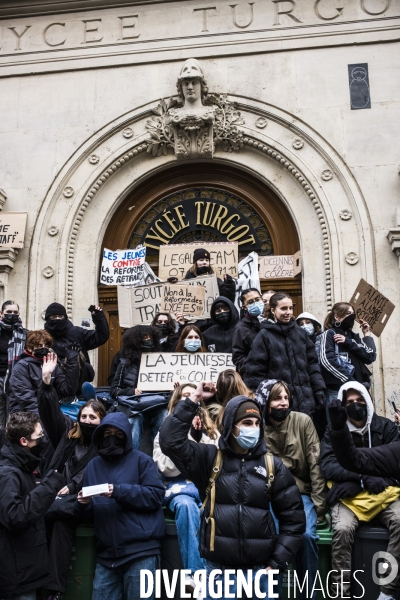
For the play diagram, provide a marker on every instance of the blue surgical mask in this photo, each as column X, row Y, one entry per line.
column 192, row 345
column 248, row 437
column 256, row 308
column 309, row 327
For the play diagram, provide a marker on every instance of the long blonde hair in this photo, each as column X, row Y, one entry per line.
column 75, row 433
column 206, row 421
column 229, row 385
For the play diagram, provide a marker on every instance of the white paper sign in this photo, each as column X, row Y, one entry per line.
column 12, row 229
column 123, row 267
column 248, row 276
column 95, row 490
column 159, row 370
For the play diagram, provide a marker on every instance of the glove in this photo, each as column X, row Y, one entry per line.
column 73, row 349
column 320, row 400
column 345, row 489
column 338, row 415
column 374, row 485
column 228, row 278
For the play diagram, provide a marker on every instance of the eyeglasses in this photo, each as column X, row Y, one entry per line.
column 56, row 317
column 250, row 302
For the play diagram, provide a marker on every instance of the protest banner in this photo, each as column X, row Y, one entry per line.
column 12, row 229
column 186, row 299
column 139, row 305
column 123, row 267
column 371, row 306
column 159, row 370
column 209, row 282
column 247, row 276
column 176, row 259
column 279, row 266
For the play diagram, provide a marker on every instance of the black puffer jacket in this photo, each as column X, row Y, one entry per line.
column 125, row 379
column 218, row 338
column 243, row 338
column 245, row 532
column 286, row 352
column 226, row 288
column 24, row 557
column 26, row 379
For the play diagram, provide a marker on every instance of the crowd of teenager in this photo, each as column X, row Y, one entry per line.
column 249, row 465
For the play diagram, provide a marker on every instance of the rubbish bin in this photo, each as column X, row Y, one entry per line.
column 83, row 563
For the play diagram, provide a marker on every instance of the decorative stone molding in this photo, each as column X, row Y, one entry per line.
column 94, row 159
column 327, row 175
column 48, row 272
column 298, row 144
column 127, row 132
column 261, row 122
column 352, row 258
column 3, row 198
column 53, row 230
column 68, row 192
column 394, row 241
column 345, row 214
column 8, row 256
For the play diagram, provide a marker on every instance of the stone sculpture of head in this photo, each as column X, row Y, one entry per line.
column 191, row 83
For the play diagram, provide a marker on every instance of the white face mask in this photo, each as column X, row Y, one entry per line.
column 309, row 327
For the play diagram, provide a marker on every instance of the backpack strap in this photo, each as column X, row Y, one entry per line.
column 269, row 464
column 210, row 494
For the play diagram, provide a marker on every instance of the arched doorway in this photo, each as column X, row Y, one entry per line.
column 219, row 203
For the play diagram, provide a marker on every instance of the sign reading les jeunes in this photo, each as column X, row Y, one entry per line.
column 12, row 229
column 186, row 299
column 159, row 370
column 123, row 267
column 371, row 306
column 176, row 259
column 280, row 266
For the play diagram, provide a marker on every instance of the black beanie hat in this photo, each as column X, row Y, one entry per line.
column 247, row 409
column 55, row 309
column 200, row 253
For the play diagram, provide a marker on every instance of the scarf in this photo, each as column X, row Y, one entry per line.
column 16, row 345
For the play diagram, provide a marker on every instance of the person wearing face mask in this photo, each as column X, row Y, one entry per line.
column 128, row 520
column 310, row 324
column 247, row 328
column 168, row 333
column 283, row 350
column 136, row 341
column 292, row 437
column 24, row 555
column 65, row 334
column 367, row 430
column 190, row 340
column 26, row 378
column 73, row 449
column 239, row 533
column 224, row 315
column 343, row 355
column 201, row 266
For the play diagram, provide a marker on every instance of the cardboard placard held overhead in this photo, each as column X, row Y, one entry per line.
column 186, row 299
column 12, row 229
column 279, row 266
column 209, row 282
column 371, row 306
column 176, row 259
column 139, row 305
column 159, row 370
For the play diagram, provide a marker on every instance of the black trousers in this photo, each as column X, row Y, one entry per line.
column 62, row 535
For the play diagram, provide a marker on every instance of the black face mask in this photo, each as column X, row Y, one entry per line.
column 11, row 319
column 223, row 318
column 357, row 411
column 348, row 322
column 111, row 447
column 57, row 327
column 147, row 345
column 87, row 430
column 41, row 352
column 39, row 448
column 164, row 328
column 202, row 270
column 279, row 414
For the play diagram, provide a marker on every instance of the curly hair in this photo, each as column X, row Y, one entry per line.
column 131, row 341
column 21, row 424
column 38, row 337
column 206, row 421
column 180, row 346
column 170, row 323
column 75, row 433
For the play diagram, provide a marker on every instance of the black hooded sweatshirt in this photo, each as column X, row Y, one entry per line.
column 245, row 534
column 218, row 338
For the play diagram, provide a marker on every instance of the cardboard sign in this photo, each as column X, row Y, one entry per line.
column 139, row 305
column 279, row 266
column 176, row 259
column 371, row 306
column 209, row 282
column 12, row 229
column 186, row 299
column 159, row 370
column 123, row 267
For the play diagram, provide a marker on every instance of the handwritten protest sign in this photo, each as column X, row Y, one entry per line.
column 123, row 267
column 12, row 229
column 371, row 306
column 279, row 266
column 159, row 370
column 247, row 276
column 186, row 299
column 139, row 305
column 176, row 259
column 209, row 282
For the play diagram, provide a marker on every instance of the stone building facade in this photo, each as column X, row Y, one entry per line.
column 297, row 144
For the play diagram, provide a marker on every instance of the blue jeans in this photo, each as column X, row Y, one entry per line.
column 187, row 520
column 307, row 557
column 122, row 583
column 233, row 578
column 152, row 417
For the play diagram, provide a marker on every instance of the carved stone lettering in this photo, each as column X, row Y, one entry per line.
column 124, row 25
column 205, row 15
column 372, row 3
column 50, row 42
column 19, row 35
column 288, row 10
column 90, row 29
column 249, row 21
column 325, row 17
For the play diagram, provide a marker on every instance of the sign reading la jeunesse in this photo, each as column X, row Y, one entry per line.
column 160, row 370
